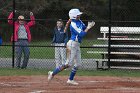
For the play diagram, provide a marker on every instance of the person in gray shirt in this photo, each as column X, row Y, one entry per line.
column 21, row 37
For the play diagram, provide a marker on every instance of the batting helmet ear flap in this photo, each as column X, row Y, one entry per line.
column 73, row 13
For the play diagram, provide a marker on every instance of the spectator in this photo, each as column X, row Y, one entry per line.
column 0, row 40
column 60, row 38
column 21, row 37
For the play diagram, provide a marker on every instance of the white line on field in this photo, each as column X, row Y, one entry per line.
column 110, row 81
column 127, row 88
column 5, row 84
column 38, row 91
column 25, row 84
column 12, row 85
column 91, row 81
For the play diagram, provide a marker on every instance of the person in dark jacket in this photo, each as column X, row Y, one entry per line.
column 60, row 38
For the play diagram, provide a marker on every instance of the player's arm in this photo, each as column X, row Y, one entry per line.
column 67, row 25
column 77, row 30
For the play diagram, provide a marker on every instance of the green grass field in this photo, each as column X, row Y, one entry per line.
column 48, row 52
column 29, row 72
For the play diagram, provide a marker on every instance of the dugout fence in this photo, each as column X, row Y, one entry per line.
column 108, row 13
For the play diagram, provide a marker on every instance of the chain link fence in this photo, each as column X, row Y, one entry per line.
column 96, row 50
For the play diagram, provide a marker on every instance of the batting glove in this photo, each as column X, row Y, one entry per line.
column 90, row 25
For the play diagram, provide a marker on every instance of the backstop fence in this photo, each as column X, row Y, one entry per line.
column 112, row 43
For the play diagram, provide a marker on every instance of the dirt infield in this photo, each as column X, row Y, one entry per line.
column 87, row 84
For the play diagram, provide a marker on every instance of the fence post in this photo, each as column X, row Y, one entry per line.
column 109, row 40
column 13, row 46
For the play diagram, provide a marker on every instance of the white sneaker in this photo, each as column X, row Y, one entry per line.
column 72, row 82
column 50, row 75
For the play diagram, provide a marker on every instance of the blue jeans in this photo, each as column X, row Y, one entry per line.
column 0, row 40
column 22, row 47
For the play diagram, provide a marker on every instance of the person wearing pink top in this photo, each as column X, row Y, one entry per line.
column 21, row 37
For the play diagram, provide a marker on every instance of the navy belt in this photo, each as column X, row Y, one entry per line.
column 22, row 39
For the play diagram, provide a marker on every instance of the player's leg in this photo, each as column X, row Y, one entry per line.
column 59, row 69
column 78, row 58
column 71, row 52
column 51, row 74
column 75, row 67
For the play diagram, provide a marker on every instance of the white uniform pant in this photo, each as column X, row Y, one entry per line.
column 60, row 54
column 74, row 56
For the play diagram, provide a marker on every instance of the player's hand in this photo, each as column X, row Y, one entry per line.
column 90, row 24
column 31, row 13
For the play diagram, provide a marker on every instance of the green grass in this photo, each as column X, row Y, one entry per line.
column 6, row 52
column 21, row 72
column 45, row 52
column 119, row 73
column 29, row 72
column 48, row 52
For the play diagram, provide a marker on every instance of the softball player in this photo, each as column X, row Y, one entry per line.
column 78, row 31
